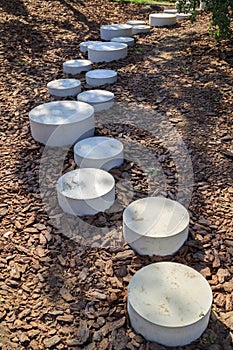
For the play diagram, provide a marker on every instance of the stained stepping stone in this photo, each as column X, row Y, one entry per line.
column 61, row 123
column 136, row 22
column 107, row 52
column 99, row 152
column 171, row 11
column 140, row 29
column 77, row 66
column 169, row 303
column 109, row 31
column 155, row 226
column 86, row 191
column 98, row 77
column 162, row 19
column 183, row 16
column 124, row 39
column 84, row 45
column 99, row 99
column 64, row 87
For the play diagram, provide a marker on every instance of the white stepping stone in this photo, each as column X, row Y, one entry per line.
column 169, row 303
column 99, row 152
column 107, row 52
column 99, row 99
column 84, row 45
column 202, row 5
column 109, row 31
column 155, row 226
column 162, row 19
column 86, row 191
column 136, row 22
column 64, row 87
column 124, row 39
column 140, row 29
column 171, row 11
column 183, row 16
column 77, row 66
column 62, row 123
column 98, row 77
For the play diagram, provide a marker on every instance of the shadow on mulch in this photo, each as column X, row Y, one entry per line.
column 16, row 7
column 22, row 38
column 77, row 14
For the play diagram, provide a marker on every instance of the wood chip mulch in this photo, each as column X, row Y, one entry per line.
column 61, row 293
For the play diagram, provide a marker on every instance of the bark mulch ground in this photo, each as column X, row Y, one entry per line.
column 62, row 293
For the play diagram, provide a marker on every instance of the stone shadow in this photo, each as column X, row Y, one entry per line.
column 16, row 7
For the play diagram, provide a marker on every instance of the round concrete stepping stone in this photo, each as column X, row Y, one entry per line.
column 140, row 29
column 136, row 22
column 155, row 226
column 86, row 191
column 107, row 52
column 64, row 87
column 109, row 31
column 183, row 16
column 98, row 77
column 162, row 19
column 202, row 5
column 99, row 99
column 171, row 11
column 84, row 45
column 124, row 39
column 61, row 123
column 99, row 152
column 77, row 66
column 169, row 303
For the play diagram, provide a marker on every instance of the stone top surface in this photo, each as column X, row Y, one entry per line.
column 107, row 46
column 163, row 15
column 101, row 73
column 185, row 15
column 116, row 26
column 172, row 11
column 136, row 22
column 89, row 42
column 123, row 39
column 156, row 217
column 98, row 147
column 61, row 112
column 96, row 96
column 64, row 83
column 141, row 26
column 77, row 63
column 170, row 294
column 85, row 183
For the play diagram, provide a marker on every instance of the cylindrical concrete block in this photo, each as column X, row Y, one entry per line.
column 162, row 19
column 109, row 31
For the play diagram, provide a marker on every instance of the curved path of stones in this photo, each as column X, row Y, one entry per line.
column 153, row 226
